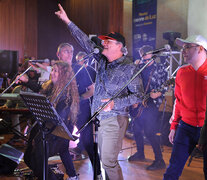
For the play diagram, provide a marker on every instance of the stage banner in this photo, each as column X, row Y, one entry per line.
column 144, row 20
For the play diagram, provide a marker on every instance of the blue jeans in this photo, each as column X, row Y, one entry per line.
column 186, row 138
column 205, row 162
column 148, row 122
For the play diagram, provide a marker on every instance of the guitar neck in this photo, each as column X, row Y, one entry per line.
column 166, row 84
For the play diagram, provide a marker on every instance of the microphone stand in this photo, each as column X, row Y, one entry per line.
column 97, row 122
column 15, row 80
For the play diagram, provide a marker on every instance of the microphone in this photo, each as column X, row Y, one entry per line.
column 40, row 61
column 169, row 53
column 156, row 51
column 96, row 50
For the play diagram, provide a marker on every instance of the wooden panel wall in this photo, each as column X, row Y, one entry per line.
column 16, row 32
column 30, row 43
column 32, row 28
column 96, row 17
column 116, row 16
column 49, row 29
column 12, row 13
column 92, row 16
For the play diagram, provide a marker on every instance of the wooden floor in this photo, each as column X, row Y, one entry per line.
column 131, row 170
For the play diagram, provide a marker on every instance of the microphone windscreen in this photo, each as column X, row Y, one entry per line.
column 97, row 50
column 167, row 47
column 46, row 60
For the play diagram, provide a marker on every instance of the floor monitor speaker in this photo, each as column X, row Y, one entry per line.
column 9, row 159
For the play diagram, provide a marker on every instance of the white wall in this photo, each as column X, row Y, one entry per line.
column 197, row 17
column 171, row 16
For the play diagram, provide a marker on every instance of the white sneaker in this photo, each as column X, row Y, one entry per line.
column 73, row 178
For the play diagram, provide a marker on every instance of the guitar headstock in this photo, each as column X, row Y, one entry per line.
column 169, row 83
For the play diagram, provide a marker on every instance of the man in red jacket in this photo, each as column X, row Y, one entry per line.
column 190, row 103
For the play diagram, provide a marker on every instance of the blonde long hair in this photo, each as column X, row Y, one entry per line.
column 65, row 72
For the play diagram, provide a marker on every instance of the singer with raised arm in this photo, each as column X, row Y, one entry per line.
column 67, row 106
column 145, row 117
column 115, row 69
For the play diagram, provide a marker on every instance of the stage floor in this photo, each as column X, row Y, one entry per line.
column 131, row 170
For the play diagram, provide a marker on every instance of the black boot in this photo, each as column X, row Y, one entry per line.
column 136, row 157
column 157, row 164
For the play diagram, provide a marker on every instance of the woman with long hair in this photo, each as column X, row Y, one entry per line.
column 67, row 106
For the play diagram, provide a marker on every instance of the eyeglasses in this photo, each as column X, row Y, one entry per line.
column 188, row 47
column 107, row 41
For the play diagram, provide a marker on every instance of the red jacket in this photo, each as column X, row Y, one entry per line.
column 190, row 93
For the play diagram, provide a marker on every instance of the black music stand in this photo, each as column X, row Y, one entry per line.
column 49, row 121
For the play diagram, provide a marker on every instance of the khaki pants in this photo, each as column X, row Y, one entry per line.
column 110, row 135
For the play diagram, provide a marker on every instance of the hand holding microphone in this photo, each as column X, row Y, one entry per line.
column 24, row 78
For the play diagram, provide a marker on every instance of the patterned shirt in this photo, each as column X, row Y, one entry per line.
column 158, row 79
column 111, row 77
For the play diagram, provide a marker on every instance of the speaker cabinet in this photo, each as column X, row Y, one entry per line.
column 9, row 62
column 9, row 159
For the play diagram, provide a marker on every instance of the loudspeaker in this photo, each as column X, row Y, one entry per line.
column 9, row 159
column 171, row 36
column 9, row 62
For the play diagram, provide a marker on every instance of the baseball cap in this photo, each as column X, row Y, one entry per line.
column 113, row 36
column 144, row 49
column 195, row 39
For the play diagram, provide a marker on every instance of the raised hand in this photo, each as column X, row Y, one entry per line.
column 62, row 14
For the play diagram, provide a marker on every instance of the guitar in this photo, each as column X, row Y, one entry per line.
column 166, row 84
column 169, row 82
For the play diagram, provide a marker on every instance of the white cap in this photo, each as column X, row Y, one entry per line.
column 195, row 39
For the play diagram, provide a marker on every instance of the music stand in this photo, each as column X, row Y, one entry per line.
column 49, row 121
